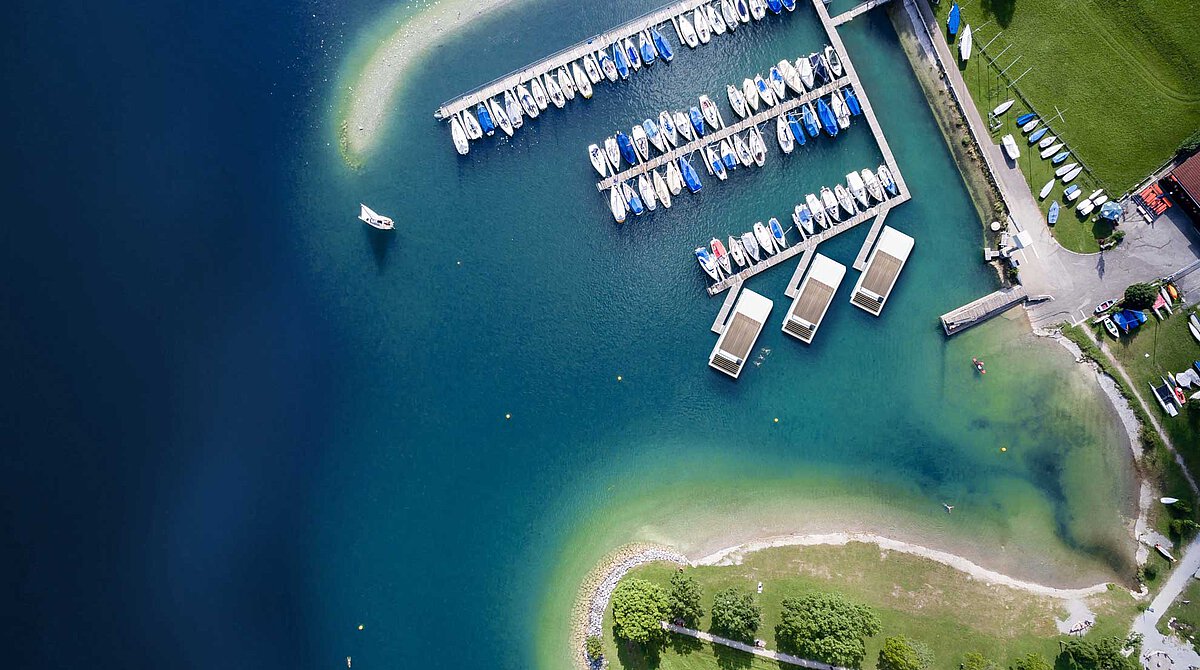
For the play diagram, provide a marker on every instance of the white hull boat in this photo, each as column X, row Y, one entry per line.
column 655, row 135
column 858, row 189
column 513, row 108
column 641, row 143
column 616, row 203
column 599, row 160
column 784, row 134
column 840, row 111
column 1003, row 107
column 751, row 246
column 555, row 91
column 791, row 76
column 1046, row 141
column 845, row 199
column 528, row 102
column 750, row 93
column 461, row 145
column 964, row 44
column 660, row 189
column 613, row 152
column 736, row 100
column 689, row 33
column 1010, row 147
column 674, row 178
column 471, row 126
column 885, row 179
column 829, row 200
column 806, row 72
column 743, row 151
column 581, row 80
column 1046, row 189
column 817, row 210
column 835, row 63
column 1051, row 150
column 737, row 252
column 700, row 21
column 729, row 14
column 776, row 82
column 711, row 114
column 803, row 219
column 764, row 238
column 374, row 219
column 646, row 189
column 683, row 126
column 1065, row 169
column 1072, row 175
column 764, row 91
column 592, row 69
column 874, row 188
column 758, row 148
column 716, row 20
column 539, row 93
column 758, row 9
column 714, row 164
column 567, row 83
column 500, row 117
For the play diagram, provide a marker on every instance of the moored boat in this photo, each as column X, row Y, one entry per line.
column 711, row 113
column 816, row 209
column 689, row 33
column 592, row 68
column 777, row 234
column 750, row 93
column 803, row 219
column 758, row 9
column 628, row 152
column 646, row 188
column 742, row 151
column 764, row 91
column 616, row 203
column 834, row 61
column 607, row 66
column 596, row 155
column 852, row 101
column 513, row 107
column 631, row 54
column 729, row 14
column 844, row 199
column 700, row 21
column 829, row 201
column 612, row 152
column 641, row 143
column 809, row 115
column 539, row 93
column 783, row 135
column 697, row 119
column 690, row 178
column 674, row 178
column 667, row 125
column 764, row 238
column 485, row 120
column 805, row 69
column 459, row 136
column 751, row 246
column 646, row 47
column 632, row 200
column 736, row 100
column 776, row 82
column 566, row 82
column 874, row 188
column 582, row 81
column 737, row 252
column 500, row 117
column 655, row 135
column 471, row 125
column 758, row 148
column 828, row 121
column 796, row 129
column 742, row 8
column 857, row 189
column 716, row 165
column 660, row 45
column 776, row 6
column 791, row 76
column 707, row 263
column 555, row 92
column 618, row 58
column 719, row 252
column 840, row 111
column 718, row 26
column 683, row 126
column 885, row 178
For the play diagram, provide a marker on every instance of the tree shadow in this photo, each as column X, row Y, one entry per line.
column 685, row 644
column 634, row 656
column 729, row 658
column 1101, row 228
column 381, row 242
column 1001, row 10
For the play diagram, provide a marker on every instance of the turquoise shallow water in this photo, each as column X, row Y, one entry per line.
column 242, row 423
column 508, row 289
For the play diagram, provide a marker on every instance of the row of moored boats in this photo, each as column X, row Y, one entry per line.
column 1049, row 147
column 620, row 60
column 863, row 190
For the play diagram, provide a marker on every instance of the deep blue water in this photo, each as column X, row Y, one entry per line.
column 240, row 423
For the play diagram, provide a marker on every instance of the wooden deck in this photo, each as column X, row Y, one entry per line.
column 813, row 299
column 982, row 309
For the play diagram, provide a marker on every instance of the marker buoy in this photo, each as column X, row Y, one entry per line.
column 507, row 416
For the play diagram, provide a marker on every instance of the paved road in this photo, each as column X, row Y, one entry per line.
column 1078, row 282
column 757, row 651
column 1182, row 655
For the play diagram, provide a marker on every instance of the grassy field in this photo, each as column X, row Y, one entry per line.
column 922, row 599
column 1187, row 611
column 1126, row 76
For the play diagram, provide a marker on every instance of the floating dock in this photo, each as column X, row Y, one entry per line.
column 877, row 281
column 715, row 137
column 813, row 299
column 735, row 344
column 856, row 11
column 978, row 311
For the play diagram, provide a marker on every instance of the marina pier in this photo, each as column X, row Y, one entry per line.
column 978, row 311
column 715, row 137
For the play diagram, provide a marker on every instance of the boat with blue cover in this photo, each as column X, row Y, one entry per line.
column 775, row 6
column 797, row 130
column 632, row 200
column 660, row 43
column 655, row 135
column 953, row 20
column 647, row 49
column 777, row 233
column 852, row 101
column 820, row 71
column 1052, row 217
column 810, row 120
column 690, row 178
column 1025, row 118
column 607, row 66
column 1038, row 134
column 885, row 178
column 631, row 54
column 619, row 60
column 707, row 263
column 789, row 5
column 1060, row 157
column 715, row 166
column 627, row 150
column 485, row 120
column 727, row 156
column 697, row 120
column 828, row 121
column 1128, row 319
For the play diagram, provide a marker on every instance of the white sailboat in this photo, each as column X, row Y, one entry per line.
column 858, row 189
column 566, row 82
column 689, row 33
column 459, row 136
column 751, row 246
column 700, row 21
column 616, row 203
column 581, row 80
column 674, row 178
column 646, row 188
column 758, row 148
column 750, row 93
column 829, row 200
column 596, row 154
column 500, row 117
column 817, row 210
column 873, row 185
column 374, row 219
column 964, row 43
column 591, row 68
column 784, row 135
column 736, row 100
column 660, row 189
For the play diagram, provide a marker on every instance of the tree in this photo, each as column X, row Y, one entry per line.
column 1107, row 653
column 593, row 648
column 1140, row 296
column 639, row 607
column 684, row 599
column 735, row 615
column 1032, row 662
column 902, row 653
column 977, row 661
column 826, row 627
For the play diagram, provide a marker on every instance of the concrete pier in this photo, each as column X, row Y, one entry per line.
column 978, row 311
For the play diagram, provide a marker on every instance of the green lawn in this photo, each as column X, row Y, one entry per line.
column 922, row 599
column 1188, row 615
column 1125, row 74
column 1151, row 352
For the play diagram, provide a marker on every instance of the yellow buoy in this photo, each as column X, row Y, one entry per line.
column 360, row 626
column 776, row 419
column 1003, row 448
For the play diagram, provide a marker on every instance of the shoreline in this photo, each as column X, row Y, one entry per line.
column 596, row 590
column 369, row 94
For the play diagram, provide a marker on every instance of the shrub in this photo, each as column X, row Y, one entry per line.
column 593, row 648
column 1140, row 296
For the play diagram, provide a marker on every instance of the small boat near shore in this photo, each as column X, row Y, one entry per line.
column 1046, row 189
column 1010, row 147
column 1052, row 215
column 1165, row 554
column 1111, row 328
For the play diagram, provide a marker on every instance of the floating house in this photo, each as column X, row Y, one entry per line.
column 813, row 298
column 740, row 334
column 883, row 267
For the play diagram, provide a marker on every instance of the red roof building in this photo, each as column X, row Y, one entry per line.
column 1183, row 185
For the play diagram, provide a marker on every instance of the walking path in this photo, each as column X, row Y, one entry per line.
column 748, row 648
column 1182, row 654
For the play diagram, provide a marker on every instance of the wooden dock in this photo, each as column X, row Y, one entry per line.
column 714, row 138
column 857, row 10
column 569, row 55
column 978, row 311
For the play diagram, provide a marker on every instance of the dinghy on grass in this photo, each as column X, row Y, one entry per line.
column 1010, row 147
column 1052, row 216
column 1003, row 107
column 1072, row 193
column 964, row 44
column 1025, row 118
column 1051, row 150
column 1046, row 189
column 1046, row 141
column 1060, row 157
column 1030, row 126
column 1037, row 135
column 1065, row 169
column 952, row 21
column 1072, row 175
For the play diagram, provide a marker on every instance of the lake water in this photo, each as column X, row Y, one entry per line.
column 246, row 424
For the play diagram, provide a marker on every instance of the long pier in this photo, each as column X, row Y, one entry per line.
column 978, row 311
column 567, row 56
column 880, row 210
column 716, row 137
column 857, row 10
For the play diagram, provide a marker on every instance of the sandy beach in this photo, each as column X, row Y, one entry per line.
column 370, row 93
